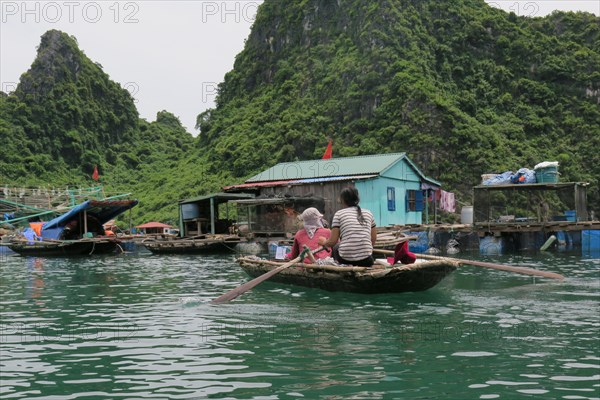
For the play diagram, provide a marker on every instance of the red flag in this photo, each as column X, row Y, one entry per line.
column 95, row 175
column 329, row 151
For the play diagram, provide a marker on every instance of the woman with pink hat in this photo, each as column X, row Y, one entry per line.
column 309, row 235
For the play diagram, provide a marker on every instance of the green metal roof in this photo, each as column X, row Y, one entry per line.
column 219, row 197
column 334, row 167
column 373, row 164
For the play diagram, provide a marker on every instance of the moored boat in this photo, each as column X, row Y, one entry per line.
column 416, row 277
column 79, row 231
column 202, row 244
column 46, row 248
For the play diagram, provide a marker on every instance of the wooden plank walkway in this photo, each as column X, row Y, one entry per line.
column 497, row 227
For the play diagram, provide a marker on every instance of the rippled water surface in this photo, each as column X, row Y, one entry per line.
column 140, row 326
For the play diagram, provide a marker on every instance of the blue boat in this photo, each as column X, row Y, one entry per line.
column 77, row 232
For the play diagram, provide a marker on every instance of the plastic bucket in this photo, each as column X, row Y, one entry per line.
column 272, row 247
column 466, row 215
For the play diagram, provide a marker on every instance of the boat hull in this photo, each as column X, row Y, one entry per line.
column 192, row 246
column 63, row 248
column 407, row 278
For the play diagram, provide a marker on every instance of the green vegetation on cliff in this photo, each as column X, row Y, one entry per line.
column 464, row 88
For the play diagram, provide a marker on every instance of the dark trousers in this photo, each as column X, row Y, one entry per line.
column 365, row 262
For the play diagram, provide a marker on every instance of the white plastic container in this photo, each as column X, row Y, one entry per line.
column 466, row 215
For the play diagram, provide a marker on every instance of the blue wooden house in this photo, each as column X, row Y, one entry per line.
column 390, row 185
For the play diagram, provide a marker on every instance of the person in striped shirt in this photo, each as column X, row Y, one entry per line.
column 355, row 229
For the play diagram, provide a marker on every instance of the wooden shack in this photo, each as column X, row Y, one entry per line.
column 535, row 202
column 390, row 185
column 208, row 214
column 273, row 216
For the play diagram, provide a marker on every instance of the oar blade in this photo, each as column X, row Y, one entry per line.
column 224, row 298
column 518, row 270
column 232, row 294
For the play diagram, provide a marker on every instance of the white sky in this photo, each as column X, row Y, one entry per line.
column 169, row 54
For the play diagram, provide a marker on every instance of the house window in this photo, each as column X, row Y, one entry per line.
column 414, row 200
column 391, row 198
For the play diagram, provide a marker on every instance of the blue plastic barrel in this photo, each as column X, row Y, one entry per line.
column 571, row 215
column 590, row 243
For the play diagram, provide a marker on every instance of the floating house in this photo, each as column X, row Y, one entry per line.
column 207, row 214
column 390, row 185
column 154, row 228
column 523, row 216
column 536, row 202
column 273, row 216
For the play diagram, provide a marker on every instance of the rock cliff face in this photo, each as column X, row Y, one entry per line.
column 75, row 105
column 67, row 115
column 58, row 60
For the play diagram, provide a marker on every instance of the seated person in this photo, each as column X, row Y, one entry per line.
column 355, row 229
column 309, row 235
column 30, row 235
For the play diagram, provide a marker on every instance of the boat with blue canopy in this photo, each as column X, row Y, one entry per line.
column 79, row 231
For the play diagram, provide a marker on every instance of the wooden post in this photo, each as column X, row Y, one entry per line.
column 85, row 222
column 435, row 207
column 248, row 215
column 181, row 225
column 79, row 225
column 212, row 215
column 130, row 227
column 427, row 206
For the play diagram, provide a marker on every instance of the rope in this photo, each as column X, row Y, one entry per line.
column 230, row 248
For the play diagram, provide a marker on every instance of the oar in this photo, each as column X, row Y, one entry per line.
column 232, row 294
column 518, row 270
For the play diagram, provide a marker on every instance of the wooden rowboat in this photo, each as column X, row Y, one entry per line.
column 402, row 278
column 61, row 248
column 204, row 244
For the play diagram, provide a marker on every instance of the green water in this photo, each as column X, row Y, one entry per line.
column 139, row 326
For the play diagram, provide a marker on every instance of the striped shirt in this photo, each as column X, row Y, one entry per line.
column 355, row 238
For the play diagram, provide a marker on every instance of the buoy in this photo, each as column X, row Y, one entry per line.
column 549, row 242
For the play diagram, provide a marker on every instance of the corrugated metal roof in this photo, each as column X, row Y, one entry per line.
column 360, row 165
column 154, row 225
column 261, row 184
column 218, row 197
column 299, row 181
column 335, row 178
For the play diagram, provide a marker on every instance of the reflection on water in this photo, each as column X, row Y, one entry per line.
column 36, row 268
column 138, row 325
